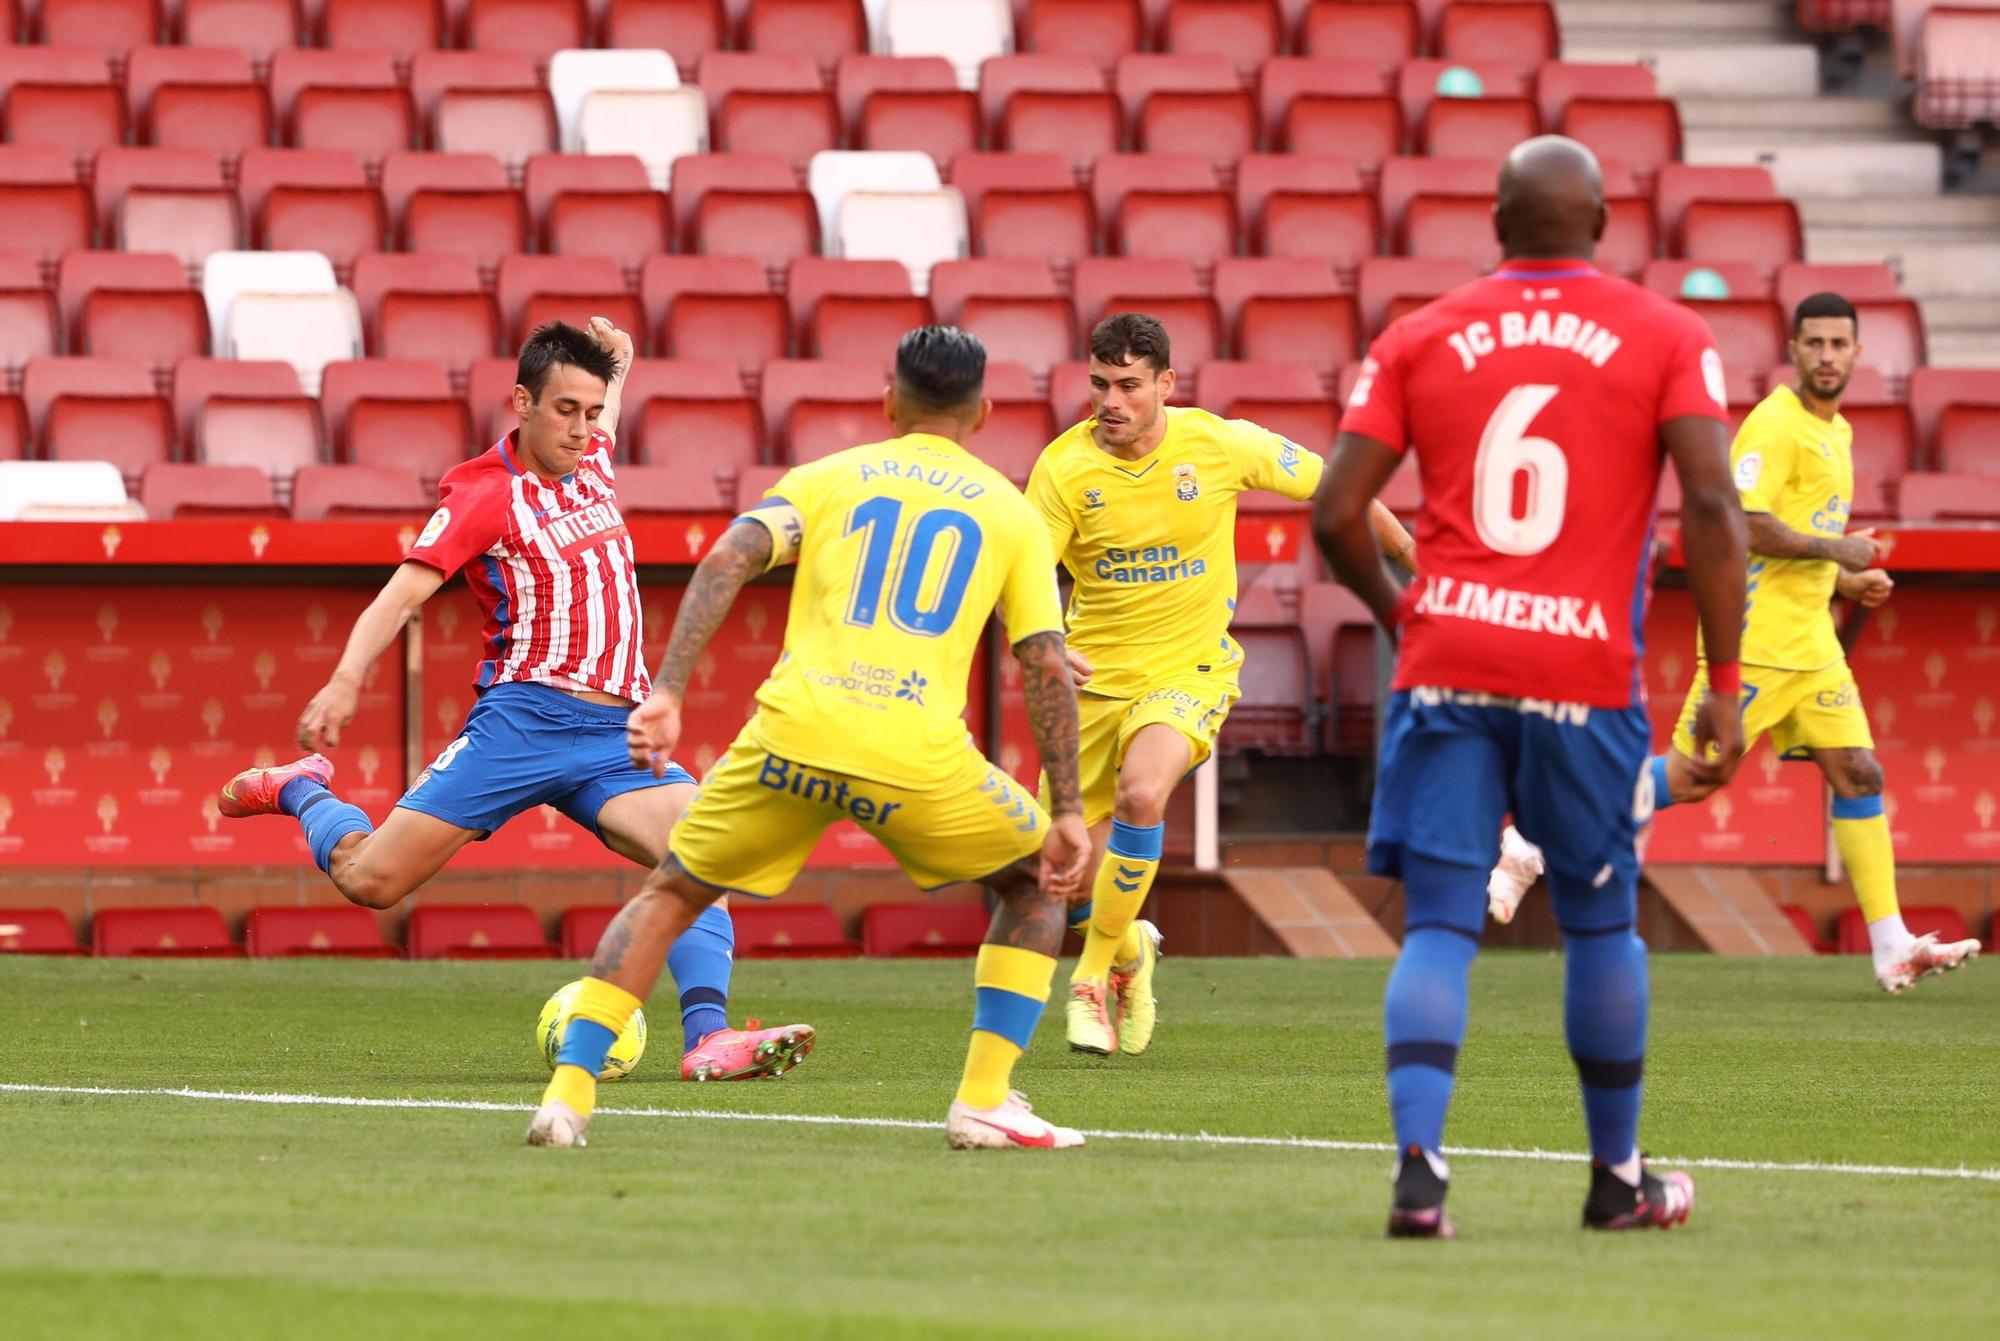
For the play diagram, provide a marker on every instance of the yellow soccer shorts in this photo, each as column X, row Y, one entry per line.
column 1803, row 710
column 759, row 816
column 1195, row 706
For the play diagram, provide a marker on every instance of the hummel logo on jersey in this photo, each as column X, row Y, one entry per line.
column 1093, row 499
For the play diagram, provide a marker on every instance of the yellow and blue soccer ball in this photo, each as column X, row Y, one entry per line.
column 624, row 1054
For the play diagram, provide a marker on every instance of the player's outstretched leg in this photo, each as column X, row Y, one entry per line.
column 301, row 789
column 1424, row 1026
column 701, row 963
column 1010, row 986
column 1605, row 1001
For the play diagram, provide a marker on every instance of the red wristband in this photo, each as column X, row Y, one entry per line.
column 1726, row 678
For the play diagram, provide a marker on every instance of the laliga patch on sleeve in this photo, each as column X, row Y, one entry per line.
column 1711, row 373
column 434, row 528
column 1748, row 469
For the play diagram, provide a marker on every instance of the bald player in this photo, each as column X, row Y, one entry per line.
column 1540, row 403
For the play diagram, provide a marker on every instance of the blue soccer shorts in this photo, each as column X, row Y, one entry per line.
column 1454, row 765
column 526, row 745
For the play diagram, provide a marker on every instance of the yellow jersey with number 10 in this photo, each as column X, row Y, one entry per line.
column 1152, row 543
column 904, row 549
column 1799, row 468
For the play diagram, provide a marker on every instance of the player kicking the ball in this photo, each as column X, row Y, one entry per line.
column 903, row 550
column 1792, row 455
column 534, row 524
column 1539, row 402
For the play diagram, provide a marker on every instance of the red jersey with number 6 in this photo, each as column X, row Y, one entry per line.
column 1533, row 400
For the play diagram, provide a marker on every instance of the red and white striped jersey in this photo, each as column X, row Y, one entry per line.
column 551, row 565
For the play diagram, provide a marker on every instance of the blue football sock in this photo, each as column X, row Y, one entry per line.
column 1604, row 1010
column 1424, row 1008
column 1079, row 917
column 292, row 797
column 326, row 819
column 701, row 962
column 586, row 1043
column 1663, row 795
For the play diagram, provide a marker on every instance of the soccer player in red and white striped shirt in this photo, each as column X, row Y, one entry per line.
column 534, row 524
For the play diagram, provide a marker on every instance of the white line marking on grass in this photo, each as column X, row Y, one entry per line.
column 914, row 1124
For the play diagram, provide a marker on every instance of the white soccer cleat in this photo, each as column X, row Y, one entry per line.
column 556, row 1123
column 1006, row 1126
column 1519, row 866
column 1921, row 958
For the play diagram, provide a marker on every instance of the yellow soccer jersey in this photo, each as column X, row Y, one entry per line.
column 1152, row 543
column 904, row 548
column 1799, row 468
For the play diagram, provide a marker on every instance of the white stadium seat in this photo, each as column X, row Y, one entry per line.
column 64, row 491
column 575, row 75
column 306, row 330
column 964, row 32
column 835, row 172
column 918, row 228
column 228, row 273
column 656, row 126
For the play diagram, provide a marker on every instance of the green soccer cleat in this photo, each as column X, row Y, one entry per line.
column 1132, row 985
column 1089, row 1027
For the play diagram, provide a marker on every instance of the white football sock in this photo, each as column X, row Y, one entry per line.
column 1627, row 1170
column 1888, row 938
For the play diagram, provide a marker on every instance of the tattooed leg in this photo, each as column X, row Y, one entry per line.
column 635, row 945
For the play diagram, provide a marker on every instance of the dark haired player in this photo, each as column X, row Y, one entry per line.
column 533, row 522
column 903, row 550
column 1794, row 467
column 1540, row 402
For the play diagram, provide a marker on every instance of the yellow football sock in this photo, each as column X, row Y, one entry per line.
column 574, row 1086
column 1861, row 832
column 1131, row 860
column 1010, row 987
column 602, row 1003
column 1131, row 946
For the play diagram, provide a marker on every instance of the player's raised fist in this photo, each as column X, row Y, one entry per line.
column 1858, row 550
column 652, row 731
column 328, row 714
column 613, row 341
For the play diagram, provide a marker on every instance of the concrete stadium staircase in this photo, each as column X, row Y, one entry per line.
column 1869, row 181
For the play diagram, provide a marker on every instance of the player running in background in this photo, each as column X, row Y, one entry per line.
column 1539, row 402
column 904, row 548
column 534, row 524
column 1794, row 467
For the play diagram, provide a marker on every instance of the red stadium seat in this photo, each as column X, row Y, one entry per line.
column 1557, row 82
column 772, row 226
column 1749, row 332
column 1001, row 77
column 860, row 75
column 1275, row 713
column 402, row 28
column 1080, row 126
column 1765, row 233
column 548, row 176
column 520, row 278
column 770, row 103
column 1198, row 225
column 187, row 932
column 825, row 382
column 344, row 100
column 789, row 931
column 540, row 28
column 626, row 226
column 1323, row 332
column 1644, row 135
column 379, row 273
column 824, row 30
column 1017, row 430
column 1260, row 176
column 583, row 928
column 1366, row 129
column 434, row 73
column 1885, row 445
column 196, row 380
column 1114, row 176
column 1138, row 78
column 1287, row 398
column 510, row 124
column 1101, row 279
column 1383, row 31
column 160, row 325
column 1629, row 239
column 1958, row 50
column 113, row 27
column 43, row 108
column 924, row 930
column 171, row 491
column 276, row 436
column 1103, row 30
column 687, row 30
column 476, row 931
column 454, row 327
column 1285, row 78
column 119, row 169
column 82, row 273
column 1343, row 229
column 726, row 423
column 15, row 437
column 1950, row 498
column 1053, row 227
column 337, row 930
column 1386, row 279
column 1242, row 278
column 198, row 98
column 262, row 169
column 974, row 174
column 670, row 490
column 1036, row 332
column 489, row 396
column 27, row 328
column 425, row 436
column 953, row 282
column 698, row 174
column 89, row 409
column 37, row 931
column 1478, row 127
column 339, row 222
column 1520, row 33
column 1245, row 32
column 43, row 219
column 856, row 326
column 811, row 278
column 1705, row 279
column 447, row 210
column 1680, row 183
column 374, row 493
column 1404, row 178
column 1892, row 340
column 405, row 174
column 1452, row 226
column 1933, row 392
column 940, row 122
column 665, row 279
column 1802, row 923
column 1854, row 282
column 346, row 381
column 1422, row 84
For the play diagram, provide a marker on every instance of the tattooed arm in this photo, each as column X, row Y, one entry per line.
column 1051, row 695
column 654, row 729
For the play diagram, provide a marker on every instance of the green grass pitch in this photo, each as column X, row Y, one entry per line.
column 168, row 1217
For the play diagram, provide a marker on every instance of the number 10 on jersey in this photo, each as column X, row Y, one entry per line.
column 884, row 539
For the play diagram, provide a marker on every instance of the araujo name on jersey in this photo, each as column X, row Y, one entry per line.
column 1529, row 612
column 588, row 526
column 1155, row 563
column 952, row 482
column 1557, row 330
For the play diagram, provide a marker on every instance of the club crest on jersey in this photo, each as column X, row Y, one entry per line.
column 1093, row 499
column 1186, row 487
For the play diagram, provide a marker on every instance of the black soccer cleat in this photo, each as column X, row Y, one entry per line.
column 1660, row 1201
column 1418, row 1210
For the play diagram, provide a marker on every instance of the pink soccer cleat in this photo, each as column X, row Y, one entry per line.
column 1922, row 957
column 254, row 791
column 751, row 1053
column 1009, row 1125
